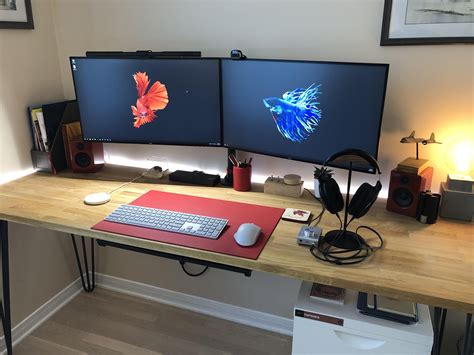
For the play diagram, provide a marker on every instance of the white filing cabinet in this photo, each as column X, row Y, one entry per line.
column 322, row 327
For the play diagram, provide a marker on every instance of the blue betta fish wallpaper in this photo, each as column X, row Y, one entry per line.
column 296, row 114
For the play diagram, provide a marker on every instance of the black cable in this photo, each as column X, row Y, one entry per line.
column 320, row 215
column 324, row 252
column 376, row 233
column 314, row 196
column 191, row 274
column 317, row 218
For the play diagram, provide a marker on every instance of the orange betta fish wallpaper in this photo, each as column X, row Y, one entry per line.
column 148, row 102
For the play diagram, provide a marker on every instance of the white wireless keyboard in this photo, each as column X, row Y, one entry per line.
column 170, row 221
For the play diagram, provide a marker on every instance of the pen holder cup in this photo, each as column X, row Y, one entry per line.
column 242, row 178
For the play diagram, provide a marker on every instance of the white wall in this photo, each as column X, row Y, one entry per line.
column 28, row 75
column 430, row 88
column 40, row 260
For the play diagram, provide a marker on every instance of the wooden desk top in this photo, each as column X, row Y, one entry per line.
column 430, row 264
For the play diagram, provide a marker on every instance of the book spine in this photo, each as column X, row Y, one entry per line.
column 40, row 117
column 34, row 138
column 66, row 145
column 40, row 139
column 40, row 142
column 408, row 170
column 37, row 141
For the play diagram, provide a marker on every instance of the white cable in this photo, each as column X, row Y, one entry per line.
column 125, row 184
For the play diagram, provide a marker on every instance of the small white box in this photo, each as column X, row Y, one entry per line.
column 321, row 327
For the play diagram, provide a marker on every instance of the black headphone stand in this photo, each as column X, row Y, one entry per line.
column 343, row 238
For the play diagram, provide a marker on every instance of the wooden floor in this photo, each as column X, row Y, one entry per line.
column 106, row 322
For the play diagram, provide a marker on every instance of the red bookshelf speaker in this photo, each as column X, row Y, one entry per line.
column 86, row 157
column 404, row 190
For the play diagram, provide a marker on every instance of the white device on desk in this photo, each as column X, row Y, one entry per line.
column 247, row 234
column 322, row 327
column 309, row 235
column 98, row 198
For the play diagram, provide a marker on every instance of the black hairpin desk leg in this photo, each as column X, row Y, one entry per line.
column 88, row 283
column 467, row 344
column 438, row 329
column 439, row 321
column 5, row 304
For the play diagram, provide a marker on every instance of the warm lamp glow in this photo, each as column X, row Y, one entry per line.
column 460, row 156
column 463, row 153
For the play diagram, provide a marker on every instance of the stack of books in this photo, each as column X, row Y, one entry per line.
column 48, row 124
column 328, row 293
column 413, row 166
column 38, row 130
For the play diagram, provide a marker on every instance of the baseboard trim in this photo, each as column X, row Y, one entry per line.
column 206, row 306
column 43, row 313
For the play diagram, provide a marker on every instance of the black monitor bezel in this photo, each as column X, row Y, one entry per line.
column 221, row 106
column 220, row 144
column 315, row 161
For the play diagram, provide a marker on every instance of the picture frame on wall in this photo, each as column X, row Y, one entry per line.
column 407, row 22
column 16, row 14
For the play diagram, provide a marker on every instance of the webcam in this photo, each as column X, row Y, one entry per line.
column 236, row 54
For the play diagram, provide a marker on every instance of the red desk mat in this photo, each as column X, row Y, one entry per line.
column 237, row 213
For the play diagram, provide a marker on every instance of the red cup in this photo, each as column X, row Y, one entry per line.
column 242, row 178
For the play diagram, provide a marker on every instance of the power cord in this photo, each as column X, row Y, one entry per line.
column 182, row 263
column 325, row 250
column 142, row 175
column 320, row 215
column 99, row 198
column 125, row 184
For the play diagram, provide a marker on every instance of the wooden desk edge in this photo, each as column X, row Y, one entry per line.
column 255, row 265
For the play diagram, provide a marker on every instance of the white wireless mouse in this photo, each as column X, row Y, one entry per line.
column 98, row 198
column 247, row 234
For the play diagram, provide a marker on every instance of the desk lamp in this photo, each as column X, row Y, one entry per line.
column 457, row 200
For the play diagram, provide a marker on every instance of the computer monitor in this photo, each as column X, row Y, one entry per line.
column 302, row 110
column 150, row 101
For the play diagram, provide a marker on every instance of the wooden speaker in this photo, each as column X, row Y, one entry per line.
column 86, row 157
column 404, row 190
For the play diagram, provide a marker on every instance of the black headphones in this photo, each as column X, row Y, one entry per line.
column 365, row 195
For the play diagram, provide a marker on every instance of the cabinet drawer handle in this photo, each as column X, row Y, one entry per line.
column 358, row 341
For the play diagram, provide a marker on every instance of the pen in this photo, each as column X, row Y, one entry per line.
column 250, row 162
column 233, row 160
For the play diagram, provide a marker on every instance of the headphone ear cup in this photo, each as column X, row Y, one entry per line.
column 331, row 195
column 363, row 199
